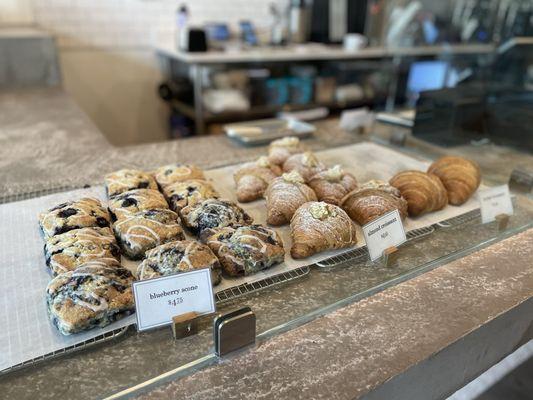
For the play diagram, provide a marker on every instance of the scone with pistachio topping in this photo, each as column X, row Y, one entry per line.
column 69, row 250
column 173, row 173
column 90, row 296
column 128, row 179
column 83, row 213
column 136, row 200
column 179, row 256
column 213, row 213
column 145, row 230
column 245, row 250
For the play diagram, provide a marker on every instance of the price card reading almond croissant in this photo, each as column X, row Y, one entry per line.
column 495, row 201
column 384, row 232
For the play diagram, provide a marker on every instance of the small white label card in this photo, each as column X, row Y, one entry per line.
column 158, row 300
column 384, row 232
column 495, row 201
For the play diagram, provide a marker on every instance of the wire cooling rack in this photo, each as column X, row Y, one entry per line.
column 361, row 253
column 253, row 287
column 222, row 296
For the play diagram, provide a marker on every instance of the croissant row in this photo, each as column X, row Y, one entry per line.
column 423, row 192
column 461, row 177
column 365, row 204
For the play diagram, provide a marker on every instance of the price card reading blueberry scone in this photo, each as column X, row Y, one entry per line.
column 158, row 300
column 495, row 201
column 384, row 232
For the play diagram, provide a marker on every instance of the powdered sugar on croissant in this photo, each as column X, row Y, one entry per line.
column 284, row 195
column 281, row 149
column 253, row 178
column 319, row 226
column 307, row 164
column 332, row 184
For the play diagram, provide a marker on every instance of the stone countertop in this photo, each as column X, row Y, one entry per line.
column 360, row 348
column 47, row 142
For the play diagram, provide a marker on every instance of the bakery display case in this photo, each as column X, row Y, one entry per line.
column 313, row 280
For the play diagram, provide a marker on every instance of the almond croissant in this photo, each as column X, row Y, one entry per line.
column 318, row 226
column 284, row 195
column 461, row 177
column 332, row 185
column 424, row 192
column 281, row 149
column 306, row 164
column 372, row 200
column 253, row 178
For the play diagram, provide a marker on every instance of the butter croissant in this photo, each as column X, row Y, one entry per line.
column 331, row 185
column 424, row 192
column 461, row 177
column 284, row 195
column 306, row 164
column 318, row 226
column 253, row 178
column 281, row 149
column 372, row 200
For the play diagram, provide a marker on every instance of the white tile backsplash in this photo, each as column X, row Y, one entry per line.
column 134, row 23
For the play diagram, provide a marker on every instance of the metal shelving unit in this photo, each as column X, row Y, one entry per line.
column 195, row 65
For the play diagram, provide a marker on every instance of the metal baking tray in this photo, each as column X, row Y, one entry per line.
column 263, row 131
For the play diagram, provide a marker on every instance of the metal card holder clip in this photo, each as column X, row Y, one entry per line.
column 185, row 325
column 503, row 221
column 390, row 256
column 234, row 330
column 521, row 179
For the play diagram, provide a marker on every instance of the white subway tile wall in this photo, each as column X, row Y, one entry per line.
column 137, row 23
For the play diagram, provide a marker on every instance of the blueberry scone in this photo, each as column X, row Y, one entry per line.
column 136, row 200
column 190, row 192
column 213, row 213
column 83, row 213
column 173, row 173
column 179, row 256
column 90, row 296
column 145, row 230
column 128, row 179
column 245, row 250
column 69, row 250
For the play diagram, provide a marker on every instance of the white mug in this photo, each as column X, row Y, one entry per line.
column 354, row 41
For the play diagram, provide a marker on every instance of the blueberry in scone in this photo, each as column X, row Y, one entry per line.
column 83, row 213
column 89, row 296
column 136, row 200
column 67, row 251
column 145, row 230
column 213, row 213
column 190, row 192
column 128, row 179
column 178, row 256
column 173, row 173
column 245, row 250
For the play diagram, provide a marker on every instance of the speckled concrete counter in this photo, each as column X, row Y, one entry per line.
column 47, row 142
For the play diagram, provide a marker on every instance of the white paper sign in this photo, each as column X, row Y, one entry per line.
column 494, row 201
column 158, row 300
column 384, row 232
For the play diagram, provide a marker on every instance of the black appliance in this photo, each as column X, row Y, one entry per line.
column 332, row 19
column 476, row 111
